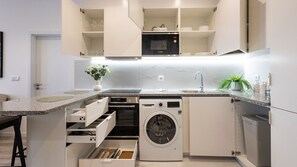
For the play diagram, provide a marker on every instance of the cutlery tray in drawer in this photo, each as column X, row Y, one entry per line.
column 96, row 132
column 112, row 153
column 89, row 113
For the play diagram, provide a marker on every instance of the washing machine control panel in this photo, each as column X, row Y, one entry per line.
column 160, row 104
column 169, row 104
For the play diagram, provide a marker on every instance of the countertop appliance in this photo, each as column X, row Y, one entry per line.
column 160, row 43
column 127, row 113
column 160, row 135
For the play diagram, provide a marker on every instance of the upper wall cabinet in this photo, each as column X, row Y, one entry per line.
column 257, row 21
column 136, row 12
column 122, row 38
column 82, row 30
column 230, row 26
column 196, row 31
column 161, row 20
column 99, row 29
column 204, row 29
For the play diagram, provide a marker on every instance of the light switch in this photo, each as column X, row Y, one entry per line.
column 15, row 78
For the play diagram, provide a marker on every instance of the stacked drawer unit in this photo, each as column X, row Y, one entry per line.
column 87, row 129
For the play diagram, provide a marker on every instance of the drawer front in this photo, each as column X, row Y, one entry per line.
column 105, row 128
column 92, row 134
column 123, row 145
column 90, row 113
column 96, row 110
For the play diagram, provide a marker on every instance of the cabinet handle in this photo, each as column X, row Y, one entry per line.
column 108, row 118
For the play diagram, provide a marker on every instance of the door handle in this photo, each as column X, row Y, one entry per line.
column 37, row 86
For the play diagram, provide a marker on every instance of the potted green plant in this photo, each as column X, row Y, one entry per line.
column 235, row 82
column 97, row 72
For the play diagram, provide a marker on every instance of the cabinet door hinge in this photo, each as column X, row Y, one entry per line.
column 81, row 54
column 234, row 100
column 269, row 117
column 82, row 11
column 215, row 9
column 235, row 152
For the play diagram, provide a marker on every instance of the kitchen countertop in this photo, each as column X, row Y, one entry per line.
column 33, row 106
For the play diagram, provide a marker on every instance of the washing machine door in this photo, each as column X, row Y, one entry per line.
column 161, row 128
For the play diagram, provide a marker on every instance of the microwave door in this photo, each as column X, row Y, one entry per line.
column 160, row 44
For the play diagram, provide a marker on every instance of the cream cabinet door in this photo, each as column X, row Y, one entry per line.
column 283, row 138
column 258, row 24
column 230, row 26
column 136, row 12
column 212, row 126
column 71, row 28
column 122, row 38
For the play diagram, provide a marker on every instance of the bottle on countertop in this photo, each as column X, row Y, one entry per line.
column 256, row 87
column 263, row 87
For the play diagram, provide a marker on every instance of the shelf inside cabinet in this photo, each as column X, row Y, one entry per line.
column 197, row 34
column 93, row 34
column 196, row 17
column 158, row 17
column 93, row 19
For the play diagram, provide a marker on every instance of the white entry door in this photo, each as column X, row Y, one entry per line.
column 51, row 72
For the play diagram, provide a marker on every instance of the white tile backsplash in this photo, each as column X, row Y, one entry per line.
column 178, row 72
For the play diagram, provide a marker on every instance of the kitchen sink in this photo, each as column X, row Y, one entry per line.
column 191, row 91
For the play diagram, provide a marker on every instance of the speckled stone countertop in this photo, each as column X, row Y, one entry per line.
column 256, row 98
column 33, row 106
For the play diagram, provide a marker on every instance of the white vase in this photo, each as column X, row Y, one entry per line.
column 235, row 86
column 98, row 86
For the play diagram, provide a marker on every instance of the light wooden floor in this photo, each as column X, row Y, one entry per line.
column 6, row 145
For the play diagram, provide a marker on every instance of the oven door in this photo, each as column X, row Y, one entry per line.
column 127, row 120
column 160, row 44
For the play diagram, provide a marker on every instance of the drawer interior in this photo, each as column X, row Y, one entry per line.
column 114, row 149
column 112, row 153
column 96, row 132
column 90, row 111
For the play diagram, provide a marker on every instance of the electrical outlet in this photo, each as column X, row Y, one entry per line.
column 161, row 78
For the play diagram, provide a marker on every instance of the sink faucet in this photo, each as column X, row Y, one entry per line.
column 201, row 80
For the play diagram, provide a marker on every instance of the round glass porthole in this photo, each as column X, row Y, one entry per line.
column 161, row 129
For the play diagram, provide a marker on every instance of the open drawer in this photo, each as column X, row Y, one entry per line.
column 112, row 153
column 90, row 113
column 96, row 132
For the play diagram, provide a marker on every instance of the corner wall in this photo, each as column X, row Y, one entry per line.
column 18, row 20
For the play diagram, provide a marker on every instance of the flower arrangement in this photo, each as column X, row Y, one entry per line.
column 97, row 71
column 235, row 82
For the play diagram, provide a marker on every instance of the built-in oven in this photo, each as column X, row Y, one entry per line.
column 127, row 117
column 166, row 44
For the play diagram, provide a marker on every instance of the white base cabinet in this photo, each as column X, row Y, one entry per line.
column 212, row 126
column 283, row 138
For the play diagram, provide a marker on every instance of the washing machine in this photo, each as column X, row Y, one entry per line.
column 160, row 129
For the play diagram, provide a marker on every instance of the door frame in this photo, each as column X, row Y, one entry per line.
column 33, row 48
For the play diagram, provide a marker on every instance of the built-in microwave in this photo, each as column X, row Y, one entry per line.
column 166, row 44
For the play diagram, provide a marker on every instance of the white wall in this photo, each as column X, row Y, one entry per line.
column 18, row 19
column 257, row 63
